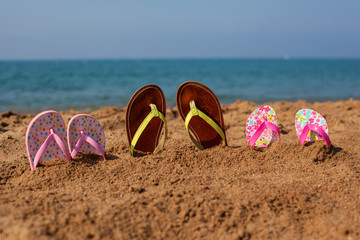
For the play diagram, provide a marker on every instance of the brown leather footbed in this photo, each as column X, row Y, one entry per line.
column 137, row 110
column 208, row 103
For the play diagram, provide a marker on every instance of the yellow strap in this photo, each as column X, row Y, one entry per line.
column 196, row 112
column 154, row 113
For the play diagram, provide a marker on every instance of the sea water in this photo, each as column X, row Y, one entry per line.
column 33, row 86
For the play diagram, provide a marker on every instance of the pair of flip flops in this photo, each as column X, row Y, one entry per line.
column 198, row 106
column 262, row 130
column 46, row 137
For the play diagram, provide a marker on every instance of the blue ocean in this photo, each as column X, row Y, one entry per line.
column 33, row 86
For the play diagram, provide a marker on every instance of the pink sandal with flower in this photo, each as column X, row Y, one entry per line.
column 261, row 129
column 311, row 126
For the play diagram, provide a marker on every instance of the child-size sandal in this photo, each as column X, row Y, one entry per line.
column 261, row 128
column 311, row 126
column 46, row 138
column 85, row 135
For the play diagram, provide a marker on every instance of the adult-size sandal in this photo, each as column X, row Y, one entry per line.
column 84, row 134
column 145, row 117
column 261, row 129
column 200, row 109
column 45, row 138
column 311, row 126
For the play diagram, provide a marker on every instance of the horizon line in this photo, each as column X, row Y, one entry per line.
column 285, row 58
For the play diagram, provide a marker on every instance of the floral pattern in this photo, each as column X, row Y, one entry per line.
column 306, row 116
column 256, row 118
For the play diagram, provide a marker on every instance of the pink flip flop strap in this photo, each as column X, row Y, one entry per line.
column 261, row 128
column 44, row 146
column 316, row 129
column 91, row 141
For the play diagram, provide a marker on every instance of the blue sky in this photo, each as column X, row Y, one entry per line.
column 43, row 29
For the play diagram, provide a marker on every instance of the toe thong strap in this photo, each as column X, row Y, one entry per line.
column 44, row 146
column 261, row 129
column 194, row 111
column 91, row 141
column 312, row 127
column 154, row 113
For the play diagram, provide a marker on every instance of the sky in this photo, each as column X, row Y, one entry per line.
column 94, row 29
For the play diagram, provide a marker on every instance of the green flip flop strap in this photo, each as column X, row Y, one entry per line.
column 196, row 112
column 154, row 113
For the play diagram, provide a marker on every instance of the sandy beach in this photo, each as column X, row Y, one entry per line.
column 285, row 191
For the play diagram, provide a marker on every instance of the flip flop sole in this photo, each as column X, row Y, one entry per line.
column 256, row 118
column 308, row 116
column 137, row 110
column 207, row 102
column 91, row 127
column 39, row 129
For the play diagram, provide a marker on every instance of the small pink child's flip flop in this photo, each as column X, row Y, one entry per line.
column 311, row 126
column 45, row 138
column 261, row 129
column 85, row 135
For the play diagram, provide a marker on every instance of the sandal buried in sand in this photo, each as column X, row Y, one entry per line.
column 85, row 135
column 45, row 138
column 200, row 109
column 145, row 117
column 261, row 129
column 311, row 126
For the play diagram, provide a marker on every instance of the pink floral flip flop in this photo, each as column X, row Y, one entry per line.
column 85, row 135
column 261, row 129
column 45, row 138
column 311, row 126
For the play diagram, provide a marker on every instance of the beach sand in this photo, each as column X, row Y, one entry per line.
column 285, row 191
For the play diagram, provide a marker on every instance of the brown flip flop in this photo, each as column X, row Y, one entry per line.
column 200, row 109
column 145, row 117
